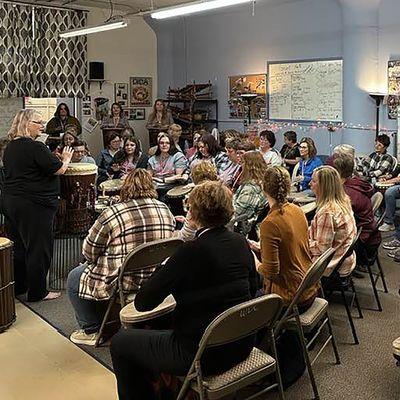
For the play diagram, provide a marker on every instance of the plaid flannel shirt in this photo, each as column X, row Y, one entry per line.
column 376, row 165
column 249, row 200
column 337, row 229
column 221, row 161
column 116, row 232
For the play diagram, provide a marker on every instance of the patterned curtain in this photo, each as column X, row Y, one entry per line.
column 63, row 62
column 16, row 43
column 34, row 60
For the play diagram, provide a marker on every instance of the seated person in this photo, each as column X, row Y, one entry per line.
column 378, row 163
column 206, row 277
column 242, row 147
column 58, row 124
column 167, row 161
column 249, row 199
column 267, row 143
column 3, row 144
column 117, row 231
column 333, row 225
column 290, row 151
column 284, row 248
column 105, row 159
column 339, row 150
column 175, row 131
column 360, row 192
column 228, row 176
column 309, row 161
column 116, row 120
column 191, row 151
column 127, row 159
column 67, row 139
column 252, row 135
column 81, row 153
column 203, row 171
column 209, row 150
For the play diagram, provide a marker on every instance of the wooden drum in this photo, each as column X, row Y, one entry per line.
column 78, row 195
column 7, row 297
column 383, row 186
column 112, row 187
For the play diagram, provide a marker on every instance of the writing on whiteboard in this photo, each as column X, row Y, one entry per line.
column 306, row 91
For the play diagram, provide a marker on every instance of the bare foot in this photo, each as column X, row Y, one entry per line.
column 52, row 295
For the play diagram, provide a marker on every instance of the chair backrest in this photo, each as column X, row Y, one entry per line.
column 148, row 255
column 295, row 171
column 376, row 201
column 348, row 253
column 241, row 320
column 395, row 162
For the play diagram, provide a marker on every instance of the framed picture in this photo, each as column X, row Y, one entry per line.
column 137, row 114
column 121, row 93
column 242, row 84
column 393, row 100
column 141, row 91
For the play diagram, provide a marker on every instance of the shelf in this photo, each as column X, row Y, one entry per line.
column 196, row 122
column 189, row 101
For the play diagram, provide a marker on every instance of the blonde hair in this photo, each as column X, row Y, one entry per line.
column 174, row 126
column 277, row 184
column 204, row 171
column 211, row 204
column 254, row 167
column 345, row 149
column 330, row 189
column 20, row 124
column 138, row 185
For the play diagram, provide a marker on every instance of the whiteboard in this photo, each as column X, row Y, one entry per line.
column 306, row 91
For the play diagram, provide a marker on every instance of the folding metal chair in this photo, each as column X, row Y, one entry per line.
column 316, row 316
column 145, row 257
column 335, row 283
column 234, row 324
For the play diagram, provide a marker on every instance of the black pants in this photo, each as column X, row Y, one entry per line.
column 366, row 253
column 140, row 355
column 30, row 227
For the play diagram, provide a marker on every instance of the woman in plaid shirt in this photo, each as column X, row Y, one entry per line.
column 138, row 219
column 333, row 224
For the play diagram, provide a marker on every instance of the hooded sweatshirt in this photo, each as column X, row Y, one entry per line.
column 360, row 192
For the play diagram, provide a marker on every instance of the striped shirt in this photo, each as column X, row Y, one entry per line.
column 376, row 165
column 116, row 232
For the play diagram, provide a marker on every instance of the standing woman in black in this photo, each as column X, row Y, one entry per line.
column 30, row 201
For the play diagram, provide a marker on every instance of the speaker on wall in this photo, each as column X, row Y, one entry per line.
column 96, row 71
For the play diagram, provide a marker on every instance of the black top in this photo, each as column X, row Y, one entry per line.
column 206, row 277
column 29, row 171
column 290, row 154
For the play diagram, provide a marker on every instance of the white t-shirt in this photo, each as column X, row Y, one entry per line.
column 273, row 158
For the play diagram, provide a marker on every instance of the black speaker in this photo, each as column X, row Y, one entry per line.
column 96, row 71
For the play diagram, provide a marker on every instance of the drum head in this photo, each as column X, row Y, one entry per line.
column 179, row 191
column 112, row 185
column 383, row 185
column 4, row 243
column 81, row 169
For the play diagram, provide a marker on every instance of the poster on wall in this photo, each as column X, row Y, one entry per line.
column 101, row 105
column 241, row 84
column 393, row 101
column 121, row 94
column 141, row 89
column 87, row 106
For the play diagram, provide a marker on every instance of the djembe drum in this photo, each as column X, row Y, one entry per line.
column 78, row 195
column 7, row 298
column 383, row 186
column 111, row 187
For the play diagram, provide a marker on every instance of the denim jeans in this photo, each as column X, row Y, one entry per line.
column 88, row 313
column 391, row 195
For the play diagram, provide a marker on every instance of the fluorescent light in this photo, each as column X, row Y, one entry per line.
column 195, row 7
column 94, row 29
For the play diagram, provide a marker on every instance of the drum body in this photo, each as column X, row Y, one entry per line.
column 7, row 297
column 78, row 195
column 383, row 186
column 111, row 187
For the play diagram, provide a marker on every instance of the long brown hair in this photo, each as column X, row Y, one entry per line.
column 277, row 184
column 254, row 167
column 138, row 184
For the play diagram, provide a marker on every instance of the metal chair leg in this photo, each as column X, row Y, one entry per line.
column 278, row 371
column 350, row 318
column 371, row 277
column 378, row 263
column 105, row 319
column 306, row 355
column 333, row 340
column 356, row 298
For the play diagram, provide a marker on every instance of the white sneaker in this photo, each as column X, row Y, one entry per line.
column 80, row 337
column 387, row 227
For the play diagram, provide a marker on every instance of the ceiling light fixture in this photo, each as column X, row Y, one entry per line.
column 195, row 7
column 94, row 29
